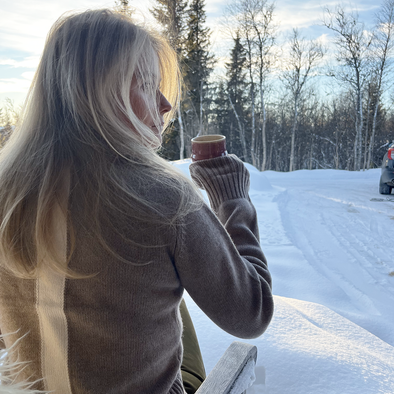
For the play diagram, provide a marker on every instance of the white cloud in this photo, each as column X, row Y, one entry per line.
column 215, row 6
column 29, row 62
column 25, row 23
column 14, row 85
column 29, row 75
column 299, row 15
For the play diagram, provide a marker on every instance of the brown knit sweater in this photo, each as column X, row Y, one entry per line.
column 120, row 330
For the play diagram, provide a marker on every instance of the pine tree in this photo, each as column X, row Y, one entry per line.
column 198, row 60
column 221, row 121
column 236, row 72
column 171, row 14
column 236, row 88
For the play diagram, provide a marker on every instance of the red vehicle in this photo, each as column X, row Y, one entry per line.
column 386, row 183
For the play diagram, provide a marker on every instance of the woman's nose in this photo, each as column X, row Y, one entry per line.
column 164, row 105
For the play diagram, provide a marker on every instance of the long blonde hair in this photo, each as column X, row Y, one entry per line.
column 78, row 124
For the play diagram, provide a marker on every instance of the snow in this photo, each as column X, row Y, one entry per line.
column 327, row 236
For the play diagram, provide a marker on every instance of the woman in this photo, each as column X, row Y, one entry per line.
column 99, row 236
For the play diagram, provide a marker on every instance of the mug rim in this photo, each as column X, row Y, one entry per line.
column 209, row 138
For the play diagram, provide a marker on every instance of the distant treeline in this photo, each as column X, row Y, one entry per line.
column 270, row 105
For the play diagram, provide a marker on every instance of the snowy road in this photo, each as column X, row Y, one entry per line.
column 327, row 236
column 346, row 241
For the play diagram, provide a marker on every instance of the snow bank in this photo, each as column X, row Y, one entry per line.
column 308, row 348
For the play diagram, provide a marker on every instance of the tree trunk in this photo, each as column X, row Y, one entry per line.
column 263, row 130
column 360, row 133
column 311, row 154
column 359, row 127
column 336, row 151
column 258, row 149
column 181, row 134
column 293, row 131
column 270, row 154
column 201, row 132
column 355, row 145
column 366, row 132
column 252, row 148
column 277, row 160
column 250, row 70
column 372, row 139
column 231, row 137
column 241, row 131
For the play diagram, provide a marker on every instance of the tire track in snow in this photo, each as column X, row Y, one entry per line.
column 373, row 244
column 369, row 259
column 293, row 275
column 328, row 257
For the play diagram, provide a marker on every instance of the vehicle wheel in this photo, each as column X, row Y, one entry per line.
column 384, row 189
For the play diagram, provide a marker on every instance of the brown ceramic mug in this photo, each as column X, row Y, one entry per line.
column 208, row 146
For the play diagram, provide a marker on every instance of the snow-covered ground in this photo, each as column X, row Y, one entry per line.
column 328, row 236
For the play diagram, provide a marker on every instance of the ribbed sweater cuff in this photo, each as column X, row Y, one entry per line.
column 223, row 178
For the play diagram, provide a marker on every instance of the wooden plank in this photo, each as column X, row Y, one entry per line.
column 228, row 368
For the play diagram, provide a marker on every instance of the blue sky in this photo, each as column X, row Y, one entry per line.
column 25, row 24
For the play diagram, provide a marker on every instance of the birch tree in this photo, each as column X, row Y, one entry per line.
column 302, row 58
column 262, row 19
column 353, row 57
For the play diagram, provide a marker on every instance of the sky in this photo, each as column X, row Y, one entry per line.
column 25, row 24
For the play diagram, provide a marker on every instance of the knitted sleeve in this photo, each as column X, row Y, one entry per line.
column 220, row 262
column 223, row 178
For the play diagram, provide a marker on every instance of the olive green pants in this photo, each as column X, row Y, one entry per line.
column 193, row 371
